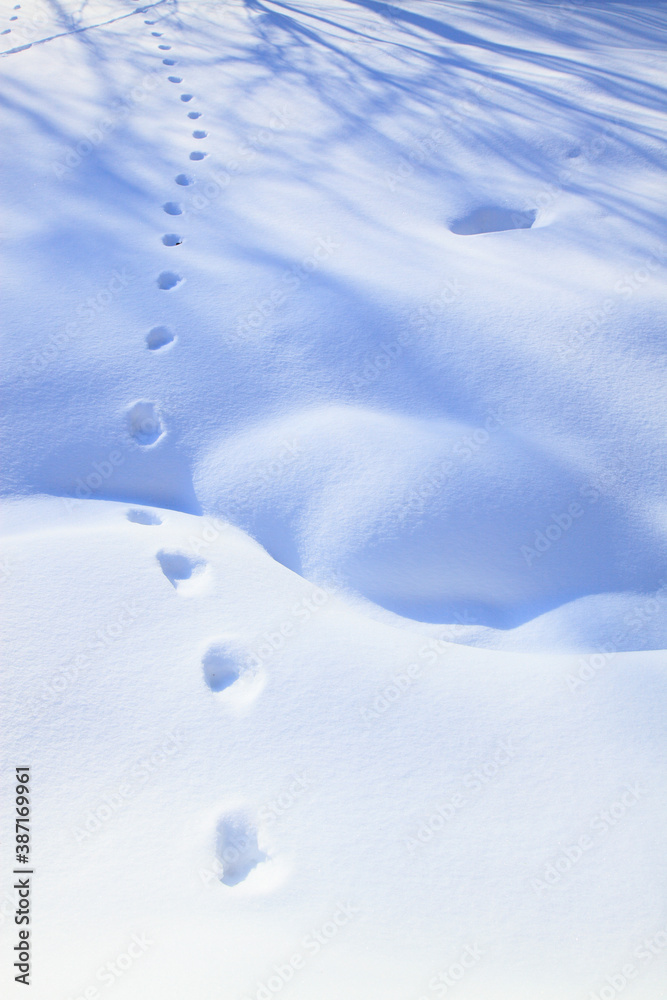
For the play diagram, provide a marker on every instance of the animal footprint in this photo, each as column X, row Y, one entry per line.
column 237, row 848
column 144, row 423
column 165, row 48
column 158, row 338
column 187, row 97
column 197, row 155
column 493, row 219
column 199, row 134
column 175, row 79
column 172, row 208
column 171, row 240
column 179, row 568
column 168, row 62
column 168, row 279
column 221, row 666
column 194, row 114
column 143, row 517
column 157, row 34
column 184, row 180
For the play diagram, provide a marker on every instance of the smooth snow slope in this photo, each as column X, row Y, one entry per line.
column 335, row 508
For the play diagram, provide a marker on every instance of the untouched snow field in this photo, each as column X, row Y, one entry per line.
column 335, row 510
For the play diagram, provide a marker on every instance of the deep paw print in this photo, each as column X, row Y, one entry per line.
column 138, row 516
column 168, row 279
column 158, row 338
column 237, row 848
column 186, row 574
column 144, row 423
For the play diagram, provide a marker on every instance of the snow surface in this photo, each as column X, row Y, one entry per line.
column 335, row 517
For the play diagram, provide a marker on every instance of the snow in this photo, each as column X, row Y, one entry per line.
column 334, row 518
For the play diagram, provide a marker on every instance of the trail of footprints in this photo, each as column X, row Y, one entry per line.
column 237, row 847
column 14, row 17
column 143, row 418
column 224, row 668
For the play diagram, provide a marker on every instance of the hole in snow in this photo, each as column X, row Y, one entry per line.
column 143, row 517
column 492, row 219
column 168, row 279
column 172, row 208
column 144, row 423
column 221, row 667
column 177, row 567
column 184, row 180
column 171, row 240
column 237, row 849
column 159, row 337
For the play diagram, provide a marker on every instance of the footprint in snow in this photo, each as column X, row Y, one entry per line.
column 172, row 208
column 184, row 180
column 179, row 567
column 168, row 62
column 144, row 423
column 172, row 240
column 221, row 665
column 198, row 155
column 194, row 114
column 168, row 280
column 158, row 338
column 199, row 134
column 143, row 517
column 175, row 79
column 187, row 97
column 164, row 48
column 237, row 848
column 157, row 34
column 493, row 219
